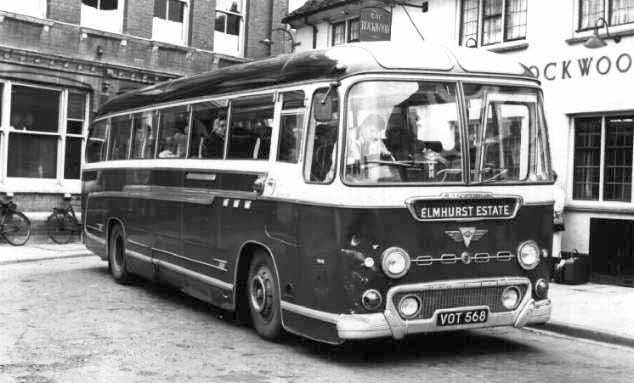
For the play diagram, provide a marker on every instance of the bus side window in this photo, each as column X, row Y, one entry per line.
column 321, row 149
column 209, row 129
column 250, row 131
column 96, row 146
column 173, row 131
column 144, row 135
column 120, row 130
column 291, row 127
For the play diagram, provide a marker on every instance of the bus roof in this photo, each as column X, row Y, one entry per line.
column 324, row 64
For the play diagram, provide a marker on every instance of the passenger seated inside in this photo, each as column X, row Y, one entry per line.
column 323, row 157
column 367, row 151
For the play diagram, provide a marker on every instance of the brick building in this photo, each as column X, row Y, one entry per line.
column 60, row 59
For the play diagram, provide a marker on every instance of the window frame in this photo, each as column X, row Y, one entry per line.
column 120, row 16
column 607, row 16
column 185, row 24
column 42, row 11
column 480, row 26
column 347, row 23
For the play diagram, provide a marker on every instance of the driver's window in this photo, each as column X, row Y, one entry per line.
column 321, row 148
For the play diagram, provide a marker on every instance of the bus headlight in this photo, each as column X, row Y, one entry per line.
column 528, row 255
column 395, row 262
column 409, row 306
column 510, row 297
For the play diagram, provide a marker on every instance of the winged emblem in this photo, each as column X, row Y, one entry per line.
column 466, row 234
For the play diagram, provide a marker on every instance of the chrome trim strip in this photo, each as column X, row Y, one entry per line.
column 139, row 256
column 481, row 257
column 519, row 202
column 138, row 243
column 311, row 313
column 175, row 194
column 192, row 274
column 218, row 267
column 99, row 229
column 95, row 238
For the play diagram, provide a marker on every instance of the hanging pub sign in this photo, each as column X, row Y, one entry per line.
column 375, row 24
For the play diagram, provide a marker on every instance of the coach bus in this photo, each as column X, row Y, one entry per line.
column 362, row 191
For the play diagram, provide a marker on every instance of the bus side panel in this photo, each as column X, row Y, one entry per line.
column 94, row 213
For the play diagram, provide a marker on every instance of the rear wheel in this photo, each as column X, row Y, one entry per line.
column 264, row 297
column 15, row 228
column 116, row 256
column 58, row 228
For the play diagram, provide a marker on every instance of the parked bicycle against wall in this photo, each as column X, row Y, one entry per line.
column 62, row 224
column 15, row 227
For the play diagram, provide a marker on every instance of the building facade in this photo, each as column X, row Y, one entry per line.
column 589, row 111
column 60, row 59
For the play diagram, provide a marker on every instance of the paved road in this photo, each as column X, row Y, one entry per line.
column 66, row 321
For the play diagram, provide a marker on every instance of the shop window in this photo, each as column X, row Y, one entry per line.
column 615, row 12
column 105, row 15
column 209, row 130
column 144, row 135
column 228, row 27
column 170, row 21
column 487, row 22
column 610, row 178
column 120, row 131
column 346, row 31
column 35, row 8
column 250, row 132
column 173, row 132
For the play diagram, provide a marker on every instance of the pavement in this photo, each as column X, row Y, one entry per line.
column 592, row 311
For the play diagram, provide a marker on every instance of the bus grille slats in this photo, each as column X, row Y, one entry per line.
column 442, row 299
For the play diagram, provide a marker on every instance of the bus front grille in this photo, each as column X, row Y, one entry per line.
column 443, row 299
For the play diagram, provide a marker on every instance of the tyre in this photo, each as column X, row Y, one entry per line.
column 58, row 228
column 264, row 297
column 116, row 256
column 16, row 228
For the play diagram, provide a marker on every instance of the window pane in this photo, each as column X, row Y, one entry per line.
column 144, row 137
column 176, row 10
column 293, row 99
column 291, row 137
column 74, row 126
column 119, row 138
column 90, row 3
column 353, row 30
column 233, row 24
column 591, row 10
column 622, row 12
column 76, row 106
column 250, row 133
column 72, row 161
column 587, row 158
column 108, row 5
column 160, row 9
column 229, row 5
column 339, row 33
column 322, row 141
column 209, row 129
column 173, row 130
column 470, row 13
column 221, row 18
column 515, row 19
column 34, row 109
column 618, row 159
column 32, row 156
column 492, row 22
column 96, row 146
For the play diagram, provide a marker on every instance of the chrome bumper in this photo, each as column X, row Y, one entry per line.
column 389, row 323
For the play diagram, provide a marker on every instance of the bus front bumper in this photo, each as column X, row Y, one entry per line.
column 389, row 323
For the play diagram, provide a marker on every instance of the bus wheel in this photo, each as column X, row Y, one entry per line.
column 116, row 256
column 264, row 297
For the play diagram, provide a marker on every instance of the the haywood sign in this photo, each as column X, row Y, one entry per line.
column 583, row 67
column 375, row 24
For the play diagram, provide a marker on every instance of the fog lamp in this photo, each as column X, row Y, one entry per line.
column 510, row 297
column 528, row 255
column 371, row 299
column 541, row 289
column 409, row 306
column 395, row 262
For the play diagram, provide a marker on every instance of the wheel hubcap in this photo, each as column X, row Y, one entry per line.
column 261, row 292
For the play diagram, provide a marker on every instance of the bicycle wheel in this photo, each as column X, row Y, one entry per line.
column 59, row 228
column 15, row 228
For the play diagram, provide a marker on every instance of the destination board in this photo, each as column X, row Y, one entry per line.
column 463, row 209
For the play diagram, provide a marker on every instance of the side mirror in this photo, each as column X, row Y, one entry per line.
column 324, row 109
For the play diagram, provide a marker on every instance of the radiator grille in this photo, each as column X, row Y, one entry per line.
column 441, row 299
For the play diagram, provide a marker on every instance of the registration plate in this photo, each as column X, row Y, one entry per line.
column 454, row 318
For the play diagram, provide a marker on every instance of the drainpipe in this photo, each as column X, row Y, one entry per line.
column 270, row 33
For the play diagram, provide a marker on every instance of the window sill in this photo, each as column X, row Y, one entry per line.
column 581, row 37
column 162, row 45
column 510, row 46
column 87, row 31
column 26, row 19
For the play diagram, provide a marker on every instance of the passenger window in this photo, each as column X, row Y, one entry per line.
column 120, row 137
column 96, row 146
column 173, row 132
column 209, row 129
column 144, row 137
column 250, row 132
column 321, row 148
column 291, row 126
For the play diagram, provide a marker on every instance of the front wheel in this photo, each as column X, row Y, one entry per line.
column 58, row 228
column 116, row 256
column 264, row 297
column 15, row 228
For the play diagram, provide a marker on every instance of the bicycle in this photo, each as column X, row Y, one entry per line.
column 62, row 224
column 15, row 227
